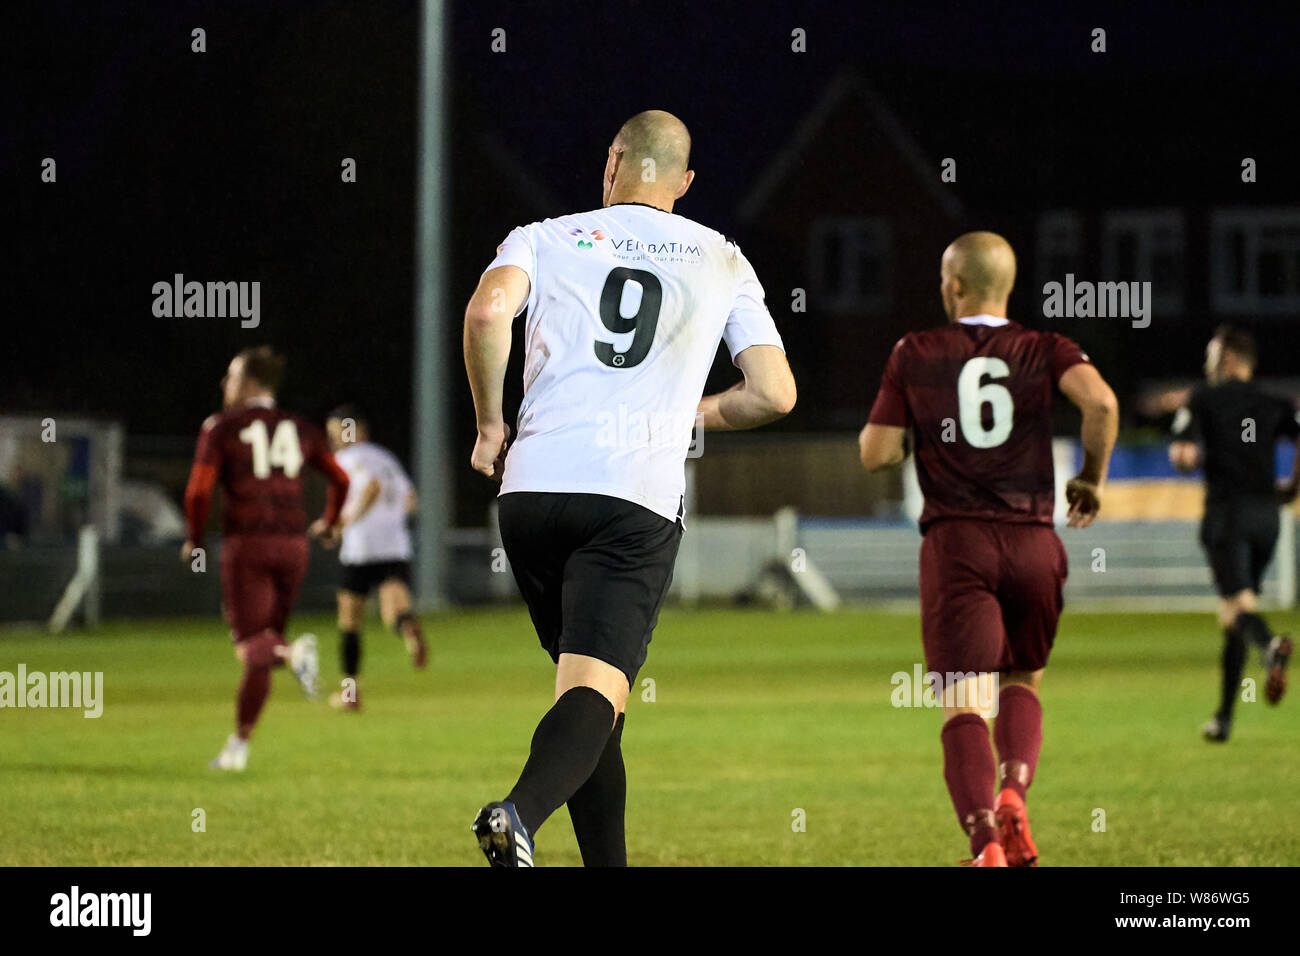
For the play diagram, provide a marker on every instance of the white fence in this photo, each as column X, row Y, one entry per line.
column 1118, row 565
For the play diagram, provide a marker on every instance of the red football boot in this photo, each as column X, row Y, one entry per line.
column 991, row 855
column 413, row 635
column 1279, row 653
column 1013, row 829
column 351, row 700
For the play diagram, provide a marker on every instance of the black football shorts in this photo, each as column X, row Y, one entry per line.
column 364, row 578
column 593, row 569
column 1239, row 535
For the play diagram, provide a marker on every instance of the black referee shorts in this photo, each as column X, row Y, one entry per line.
column 1239, row 535
column 593, row 569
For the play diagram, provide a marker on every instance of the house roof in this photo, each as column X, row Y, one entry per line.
column 845, row 88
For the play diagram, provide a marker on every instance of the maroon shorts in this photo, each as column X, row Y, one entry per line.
column 990, row 595
column 260, row 575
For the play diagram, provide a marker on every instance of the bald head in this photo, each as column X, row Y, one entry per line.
column 659, row 136
column 977, row 273
column 648, row 159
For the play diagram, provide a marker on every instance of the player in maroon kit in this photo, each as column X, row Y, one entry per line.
column 976, row 396
column 257, row 452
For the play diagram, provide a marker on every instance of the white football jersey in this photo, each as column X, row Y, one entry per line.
column 626, row 307
column 381, row 534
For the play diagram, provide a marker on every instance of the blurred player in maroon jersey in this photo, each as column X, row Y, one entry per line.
column 257, row 451
column 976, row 396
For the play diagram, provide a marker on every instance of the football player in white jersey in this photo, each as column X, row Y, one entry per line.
column 376, row 546
column 626, row 307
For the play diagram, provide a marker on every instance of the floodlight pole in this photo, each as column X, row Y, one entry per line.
column 432, row 411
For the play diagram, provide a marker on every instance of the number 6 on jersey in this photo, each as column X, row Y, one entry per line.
column 972, row 397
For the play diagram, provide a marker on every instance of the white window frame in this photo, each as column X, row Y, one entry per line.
column 1251, row 223
column 1146, row 225
column 858, row 234
column 1059, row 232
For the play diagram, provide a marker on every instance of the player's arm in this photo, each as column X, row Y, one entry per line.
column 882, row 446
column 369, row 495
column 1184, row 455
column 500, row 295
column 1083, row 385
column 882, row 443
column 1164, row 402
column 412, row 502
column 198, row 490
column 1184, row 450
column 198, row 502
column 328, row 526
column 766, row 393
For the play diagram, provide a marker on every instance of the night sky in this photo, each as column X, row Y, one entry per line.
column 225, row 165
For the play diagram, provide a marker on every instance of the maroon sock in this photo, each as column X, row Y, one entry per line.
column 407, row 625
column 259, row 650
column 1018, row 733
column 970, row 774
column 253, row 691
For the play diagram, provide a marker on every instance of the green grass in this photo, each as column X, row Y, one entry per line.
column 755, row 714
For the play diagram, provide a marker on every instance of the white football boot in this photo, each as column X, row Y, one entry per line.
column 305, row 664
column 233, row 756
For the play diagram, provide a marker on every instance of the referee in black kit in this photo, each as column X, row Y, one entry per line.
column 1230, row 426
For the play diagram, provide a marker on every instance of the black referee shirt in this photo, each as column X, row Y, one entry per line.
column 1237, row 425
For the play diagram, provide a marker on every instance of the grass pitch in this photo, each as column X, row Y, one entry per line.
column 755, row 717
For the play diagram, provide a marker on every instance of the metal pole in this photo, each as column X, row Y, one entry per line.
column 688, row 554
column 1286, row 558
column 430, row 440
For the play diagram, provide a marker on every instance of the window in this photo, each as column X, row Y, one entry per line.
column 1058, row 246
column 1146, row 245
column 1255, row 260
column 850, row 260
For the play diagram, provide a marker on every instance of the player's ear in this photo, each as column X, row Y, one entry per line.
column 611, row 165
column 686, row 183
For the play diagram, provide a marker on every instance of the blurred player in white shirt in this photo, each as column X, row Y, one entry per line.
column 376, row 545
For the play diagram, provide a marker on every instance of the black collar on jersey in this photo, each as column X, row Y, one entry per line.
column 646, row 204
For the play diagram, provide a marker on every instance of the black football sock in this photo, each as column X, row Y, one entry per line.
column 1234, row 659
column 350, row 653
column 597, row 809
column 566, row 747
column 1254, row 629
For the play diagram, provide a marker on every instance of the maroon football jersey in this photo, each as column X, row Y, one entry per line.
column 259, row 452
column 978, row 398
